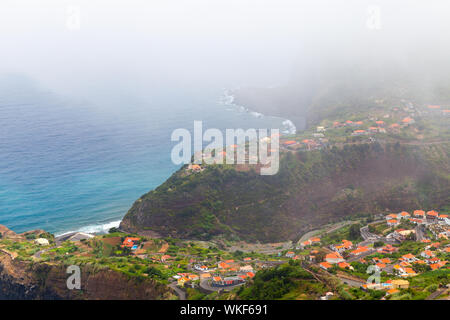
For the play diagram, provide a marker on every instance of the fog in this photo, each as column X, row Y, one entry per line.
column 140, row 47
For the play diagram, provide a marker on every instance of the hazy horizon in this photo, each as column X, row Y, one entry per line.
column 138, row 47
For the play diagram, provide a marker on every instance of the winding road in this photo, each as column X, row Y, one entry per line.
column 180, row 293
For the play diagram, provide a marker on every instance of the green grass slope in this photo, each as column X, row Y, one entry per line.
column 310, row 189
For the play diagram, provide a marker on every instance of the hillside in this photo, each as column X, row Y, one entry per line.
column 311, row 188
column 26, row 274
column 326, row 89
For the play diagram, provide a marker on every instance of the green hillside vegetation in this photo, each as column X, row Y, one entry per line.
column 311, row 188
column 285, row 282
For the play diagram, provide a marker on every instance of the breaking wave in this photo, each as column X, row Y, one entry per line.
column 228, row 100
column 95, row 228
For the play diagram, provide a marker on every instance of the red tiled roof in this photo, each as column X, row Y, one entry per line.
column 129, row 241
column 432, row 213
column 407, row 120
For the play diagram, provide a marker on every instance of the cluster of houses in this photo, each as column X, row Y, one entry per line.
column 404, row 267
column 227, row 273
column 309, row 242
column 427, row 257
column 437, row 108
column 418, row 217
column 379, row 127
column 211, row 156
column 343, row 246
column 307, row 144
column 336, row 258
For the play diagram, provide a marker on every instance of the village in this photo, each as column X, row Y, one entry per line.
column 388, row 124
column 385, row 124
column 395, row 254
column 395, row 248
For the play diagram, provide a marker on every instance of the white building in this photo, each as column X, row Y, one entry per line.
column 42, row 242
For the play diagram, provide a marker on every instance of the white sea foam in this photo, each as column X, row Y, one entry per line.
column 228, row 99
column 256, row 114
column 288, row 127
column 95, row 228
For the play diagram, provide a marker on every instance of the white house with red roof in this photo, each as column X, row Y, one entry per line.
column 325, row 265
column 334, row 258
column 427, row 254
column 419, row 213
column 290, row 254
column 360, row 250
column 343, row 246
column 391, row 216
column 393, row 222
column 432, row 214
column 404, row 215
column 408, row 258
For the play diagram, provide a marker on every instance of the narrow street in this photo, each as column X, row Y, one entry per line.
column 180, row 293
column 436, row 294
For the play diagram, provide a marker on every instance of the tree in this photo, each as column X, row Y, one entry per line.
column 354, row 231
column 378, row 244
column 238, row 254
column 153, row 272
column 372, row 229
column 113, row 230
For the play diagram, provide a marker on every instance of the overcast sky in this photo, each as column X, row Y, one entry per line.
column 74, row 44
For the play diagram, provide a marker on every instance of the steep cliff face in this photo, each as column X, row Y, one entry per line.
column 21, row 280
column 14, row 282
column 311, row 188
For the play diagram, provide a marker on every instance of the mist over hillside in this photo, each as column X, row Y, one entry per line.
column 350, row 82
column 343, row 62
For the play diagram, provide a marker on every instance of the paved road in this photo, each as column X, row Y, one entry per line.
column 362, row 255
column 206, row 285
column 367, row 235
column 310, row 234
column 436, row 294
column 180, row 293
column 12, row 255
column 351, row 282
column 420, row 235
column 58, row 241
column 40, row 252
column 370, row 238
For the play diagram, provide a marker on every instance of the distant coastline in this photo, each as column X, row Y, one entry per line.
column 229, row 101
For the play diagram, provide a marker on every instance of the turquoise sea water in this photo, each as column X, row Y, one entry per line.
column 67, row 165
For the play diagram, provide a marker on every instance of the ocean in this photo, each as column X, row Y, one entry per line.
column 70, row 164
